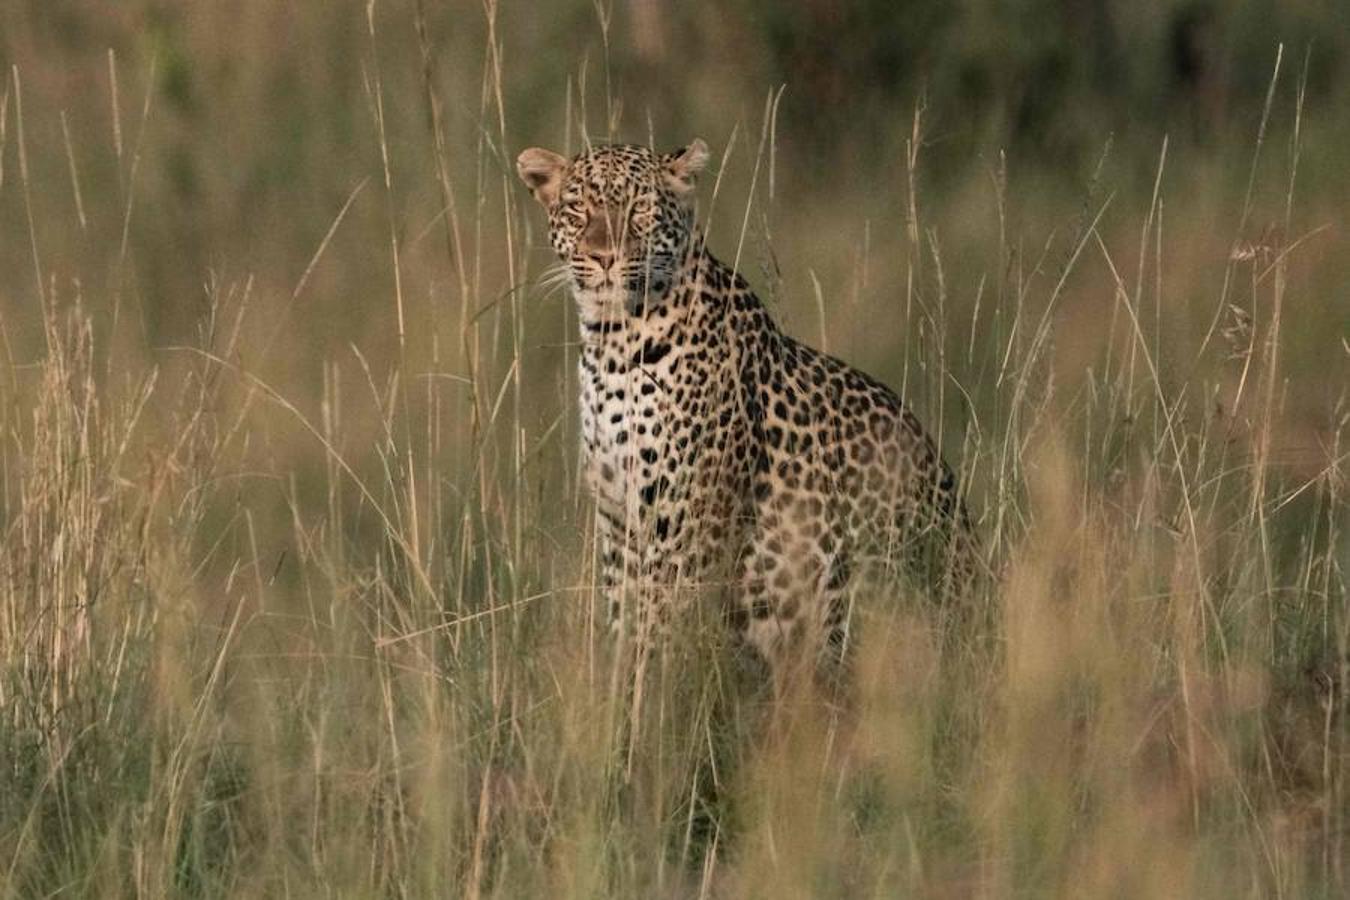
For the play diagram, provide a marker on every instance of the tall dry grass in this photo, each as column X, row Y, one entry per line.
column 301, row 600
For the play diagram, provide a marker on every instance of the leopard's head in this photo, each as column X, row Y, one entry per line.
column 620, row 217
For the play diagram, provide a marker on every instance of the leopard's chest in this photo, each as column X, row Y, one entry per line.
column 634, row 410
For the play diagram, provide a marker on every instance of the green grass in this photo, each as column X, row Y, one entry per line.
column 297, row 581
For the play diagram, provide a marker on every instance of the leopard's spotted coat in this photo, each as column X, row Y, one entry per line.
column 720, row 450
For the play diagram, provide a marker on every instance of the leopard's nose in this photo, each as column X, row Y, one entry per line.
column 603, row 258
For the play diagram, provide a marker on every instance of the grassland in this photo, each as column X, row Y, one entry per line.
column 296, row 579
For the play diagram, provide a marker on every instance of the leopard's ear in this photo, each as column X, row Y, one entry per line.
column 542, row 171
column 683, row 166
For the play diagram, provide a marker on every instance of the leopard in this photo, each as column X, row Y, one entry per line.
column 723, row 455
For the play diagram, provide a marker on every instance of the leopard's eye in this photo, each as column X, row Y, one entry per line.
column 574, row 212
column 642, row 215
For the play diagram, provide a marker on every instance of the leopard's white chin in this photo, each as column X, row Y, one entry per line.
column 603, row 303
column 612, row 302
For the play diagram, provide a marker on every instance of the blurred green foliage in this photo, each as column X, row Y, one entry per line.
column 1049, row 74
column 266, row 100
